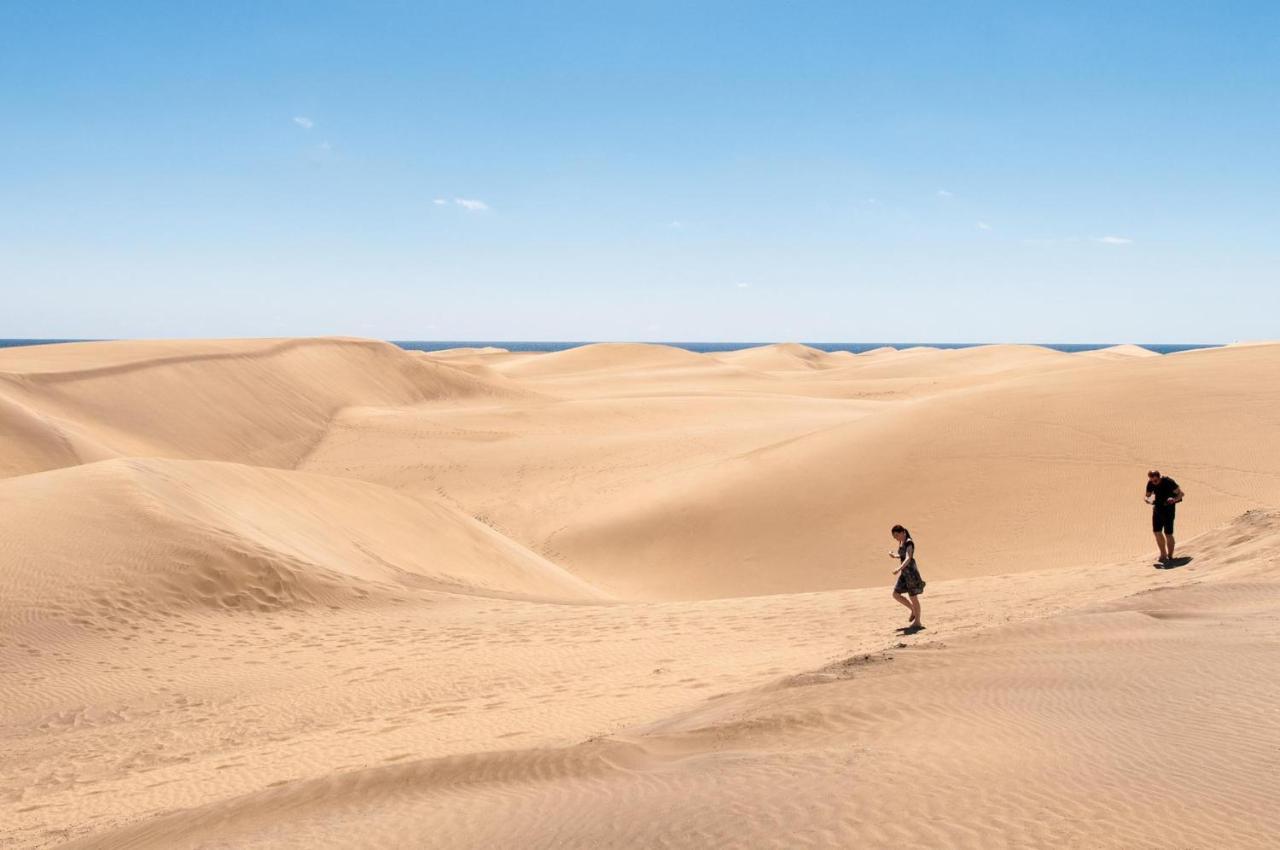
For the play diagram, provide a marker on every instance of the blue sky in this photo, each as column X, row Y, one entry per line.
column 950, row 172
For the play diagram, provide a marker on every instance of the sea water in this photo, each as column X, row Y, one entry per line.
column 704, row 347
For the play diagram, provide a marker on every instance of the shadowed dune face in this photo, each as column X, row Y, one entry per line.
column 332, row 593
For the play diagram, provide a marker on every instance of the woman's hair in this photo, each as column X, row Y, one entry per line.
column 897, row 529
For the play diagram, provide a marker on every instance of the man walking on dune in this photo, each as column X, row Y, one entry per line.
column 1163, row 494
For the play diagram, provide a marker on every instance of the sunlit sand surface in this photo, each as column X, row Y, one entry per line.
column 330, row 593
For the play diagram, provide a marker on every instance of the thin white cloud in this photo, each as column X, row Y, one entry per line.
column 1113, row 240
column 982, row 225
column 677, row 224
column 943, row 193
column 744, row 286
column 304, row 122
column 471, row 205
column 439, row 202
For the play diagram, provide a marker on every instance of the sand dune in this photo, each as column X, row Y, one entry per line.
column 1011, row 473
column 604, row 356
column 779, row 357
column 1117, row 351
column 262, row 402
column 304, row 593
column 148, row 537
column 1080, row 729
column 467, row 352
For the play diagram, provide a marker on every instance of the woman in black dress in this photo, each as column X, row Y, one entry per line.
column 910, row 585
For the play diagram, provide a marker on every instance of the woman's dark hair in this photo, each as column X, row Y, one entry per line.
column 897, row 529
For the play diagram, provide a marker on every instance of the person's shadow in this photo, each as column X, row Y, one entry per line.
column 1174, row 563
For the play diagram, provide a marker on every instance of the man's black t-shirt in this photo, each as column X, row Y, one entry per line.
column 1163, row 492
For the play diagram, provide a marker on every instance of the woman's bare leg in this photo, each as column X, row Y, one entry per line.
column 915, row 610
column 903, row 600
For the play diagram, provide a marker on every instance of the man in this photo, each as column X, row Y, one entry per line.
column 1163, row 494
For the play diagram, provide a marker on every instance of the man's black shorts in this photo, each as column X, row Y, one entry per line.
column 1162, row 520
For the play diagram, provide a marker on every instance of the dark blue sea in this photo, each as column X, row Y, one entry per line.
column 703, row 347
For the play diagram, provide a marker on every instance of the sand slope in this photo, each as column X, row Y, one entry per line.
column 263, row 402
column 311, row 593
column 1041, row 468
column 136, row 538
column 1081, row 729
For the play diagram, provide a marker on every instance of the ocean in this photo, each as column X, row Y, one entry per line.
column 704, row 347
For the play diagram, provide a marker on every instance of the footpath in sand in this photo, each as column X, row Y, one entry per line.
column 330, row 593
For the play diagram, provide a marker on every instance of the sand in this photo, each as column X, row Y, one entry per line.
column 326, row 592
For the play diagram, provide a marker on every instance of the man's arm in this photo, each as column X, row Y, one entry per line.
column 1177, row 496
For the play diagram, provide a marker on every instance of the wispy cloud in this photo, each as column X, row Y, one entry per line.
column 471, row 204
column 1113, row 240
column 676, row 224
column 943, row 193
column 744, row 286
column 982, row 225
column 304, row 122
column 439, row 202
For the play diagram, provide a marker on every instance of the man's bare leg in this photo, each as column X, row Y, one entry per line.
column 1164, row 554
column 1169, row 541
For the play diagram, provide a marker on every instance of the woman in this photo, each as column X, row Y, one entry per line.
column 909, row 580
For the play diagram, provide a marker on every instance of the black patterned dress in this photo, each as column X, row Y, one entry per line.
column 909, row 580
